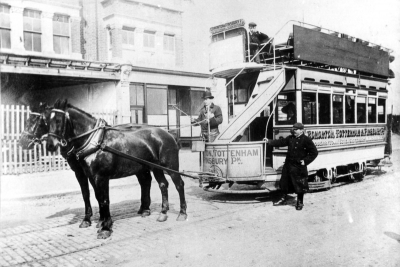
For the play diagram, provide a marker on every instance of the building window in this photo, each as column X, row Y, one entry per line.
column 136, row 93
column 197, row 102
column 156, row 101
column 172, row 96
column 337, row 106
column 149, row 39
column 5, row 29
column 169, row 43
column 128, row 35
column 32, row 31
column 61, row 34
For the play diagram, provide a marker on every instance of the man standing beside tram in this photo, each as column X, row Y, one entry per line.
column 209, row 118
column 301, row 152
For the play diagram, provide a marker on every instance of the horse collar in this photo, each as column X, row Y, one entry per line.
column 94, row 141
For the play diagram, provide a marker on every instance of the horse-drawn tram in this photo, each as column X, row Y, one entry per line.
column 336, row 85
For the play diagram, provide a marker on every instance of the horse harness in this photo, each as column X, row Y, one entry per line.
column 95, row 143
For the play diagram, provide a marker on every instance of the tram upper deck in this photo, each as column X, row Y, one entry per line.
column 306, row 45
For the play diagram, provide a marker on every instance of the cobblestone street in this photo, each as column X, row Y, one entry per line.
column 355, row 224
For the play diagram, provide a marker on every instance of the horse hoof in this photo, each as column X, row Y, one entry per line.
column 145, row 213
column 99, row 224
column 182, row 217
column 85, row 224
column 103, row 234
column 162, row 217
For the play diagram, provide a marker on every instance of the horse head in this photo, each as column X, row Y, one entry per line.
column 57, row 125
column 66, row 122
column 35, row 126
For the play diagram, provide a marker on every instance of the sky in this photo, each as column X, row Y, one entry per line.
column 371, row 20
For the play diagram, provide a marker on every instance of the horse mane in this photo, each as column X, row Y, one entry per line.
column 63, row 105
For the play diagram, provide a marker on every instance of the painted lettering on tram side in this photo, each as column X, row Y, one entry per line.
column 235, row 156
column 333, row 137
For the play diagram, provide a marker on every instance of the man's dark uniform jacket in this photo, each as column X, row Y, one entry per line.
column 294, row 175
column 258, row 37
column 214, row 122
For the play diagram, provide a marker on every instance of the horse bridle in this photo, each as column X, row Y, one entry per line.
column 64, row 126
column 33, row 134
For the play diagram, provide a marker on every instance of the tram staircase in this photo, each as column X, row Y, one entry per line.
column 269, row 84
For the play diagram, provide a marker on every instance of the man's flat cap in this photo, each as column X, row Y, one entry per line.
column 298, row 125
column 252, row 24
column 207, row 94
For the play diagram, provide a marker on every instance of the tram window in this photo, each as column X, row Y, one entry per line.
column 324, row 108
column 234, row 33
column 349, row 109
column 240, row 96
column 309, row 108
column 217, row 37
column 381, row 110
column 337, row 101
column 371, row 110
column 361, row 109
column 286, row 108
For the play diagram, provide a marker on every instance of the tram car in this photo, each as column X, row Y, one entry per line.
column 335, row 84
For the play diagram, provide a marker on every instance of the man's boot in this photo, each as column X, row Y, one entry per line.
column 282, row 201
column 299, row 204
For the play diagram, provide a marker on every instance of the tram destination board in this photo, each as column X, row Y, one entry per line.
column 314, row 46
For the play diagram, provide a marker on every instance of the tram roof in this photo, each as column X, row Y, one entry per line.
column 231, row 70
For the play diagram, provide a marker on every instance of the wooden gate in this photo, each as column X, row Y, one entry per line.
column 18, row 161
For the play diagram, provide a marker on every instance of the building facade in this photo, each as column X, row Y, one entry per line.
column 117, row 55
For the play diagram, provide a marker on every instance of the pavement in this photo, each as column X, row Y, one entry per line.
column 49, row 183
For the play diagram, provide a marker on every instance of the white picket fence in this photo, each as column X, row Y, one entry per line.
column 18, row 161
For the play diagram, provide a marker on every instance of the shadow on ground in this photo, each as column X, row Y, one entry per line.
column 222, row 197
column 122, row 210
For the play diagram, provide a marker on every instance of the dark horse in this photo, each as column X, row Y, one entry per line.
column 36, row 126
column 71, row 126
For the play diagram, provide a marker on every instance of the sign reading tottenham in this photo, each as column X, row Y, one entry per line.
column 234, row 160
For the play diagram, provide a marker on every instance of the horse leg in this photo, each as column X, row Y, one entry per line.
column 144, row 179
column 83, row 182
column 102, row 191
column 163, row 184
column 180, row 187
column 101, row 217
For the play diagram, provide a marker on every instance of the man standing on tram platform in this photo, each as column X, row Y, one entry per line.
column 301, row 152
column 256, row 39
column 209, row 118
